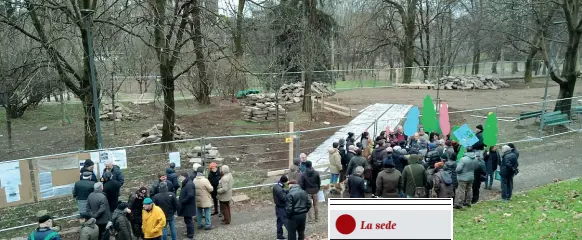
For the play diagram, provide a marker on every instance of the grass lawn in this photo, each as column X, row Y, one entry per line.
column 550, row 212
column 349, row 84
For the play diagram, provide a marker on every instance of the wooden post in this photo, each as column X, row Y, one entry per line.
column 291, row 153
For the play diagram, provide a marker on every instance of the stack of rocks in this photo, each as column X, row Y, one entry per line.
column 261, row 108
column 469, row 82
column 154, row 134
column 117, row 113
column 202, row 154
column 294, row 92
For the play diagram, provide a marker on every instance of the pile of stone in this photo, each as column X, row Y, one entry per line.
column 154, row 134
column 202, row 154
column 469, row 82
column 294, row 92
column 117, row 113
column 261, row 108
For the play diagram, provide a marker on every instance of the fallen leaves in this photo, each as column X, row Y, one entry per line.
column 507, row 214
column 479, row 219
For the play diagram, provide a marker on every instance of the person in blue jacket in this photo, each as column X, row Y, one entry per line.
column 45, row 229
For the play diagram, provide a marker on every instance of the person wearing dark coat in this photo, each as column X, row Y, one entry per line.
column 297, row 205
column 88, row 166
column 45, row 229
column 187, row 201
column 479, row 177
column 414, row 176
column 169, row 204
column 389, row 181
column 172, row 177
column 350, row 140
column 121, row 224
column 155, row 187
column 89, row 230
column 111, row 189
column 98, row 208
column 378, row 156
column 115, row 171
column 492, row 159
column 81, row 191
column 344, row 159
column 214, row 178
column 451, row 169
column 514, row 150
column 311, row 183
column 479, row 146
column 136, row 207
column 398, row 157
column 356, row 183
column 280, row 198
column 507, row 170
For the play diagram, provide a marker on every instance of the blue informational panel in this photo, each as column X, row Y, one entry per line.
column 465, row 136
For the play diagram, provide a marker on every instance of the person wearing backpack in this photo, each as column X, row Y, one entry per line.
column 121, row 227
column 442, row 181
column 45, row 229
column 378, row 157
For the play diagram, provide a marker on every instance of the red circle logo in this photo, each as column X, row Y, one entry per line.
column 345, row 224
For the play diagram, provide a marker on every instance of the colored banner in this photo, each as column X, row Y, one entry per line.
column 411, row 123
column 444, row 122
column 428, row 119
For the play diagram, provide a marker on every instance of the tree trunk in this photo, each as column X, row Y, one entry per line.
column 90, row 126
column 528, row 77
column 566, row 93
column 408, row 52
column 238, row 45
column 476, row 56
column 203, row 81
column 494, row 65
column 169, row 106
column 569, row 74
column 8, row 118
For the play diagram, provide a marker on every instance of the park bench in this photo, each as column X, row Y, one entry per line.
column 555, row 118
column 577, row 110
column 528, row 115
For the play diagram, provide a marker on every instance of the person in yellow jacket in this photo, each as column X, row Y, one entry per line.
column 153, row 220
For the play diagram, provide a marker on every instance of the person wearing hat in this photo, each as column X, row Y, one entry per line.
column 350, row 140
column 98, row 207
column 335, row 162
column 187, row 200
column 45, row 229
column 88, row 166
column 378, row 157
column 356, row 183
column 311, row 183
column 81, row 191
column 389, row 181
column 153, row 220
column 280, row 197
column 344, row 159
column 297, row 205
column 214, row 178
column 414, row 179
column 507, row 170
column 136, row 207
column 479, row 146
column 89, row 230
column 442, row 182
column 121, row 224
column 203, row 200
column 168, row 202
column 172, row 176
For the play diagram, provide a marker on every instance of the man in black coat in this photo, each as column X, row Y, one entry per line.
column 508, row 169
column 88, row 166
column 98, row 208
column 111, row 189
column 297, row 205
column 311, row 183
column 344, row 159
column 214, row 178
column 136, row 206
column 169, row 204
column 81, row 191
column 378, row 156
column 187, row 207
column 115, row 171
column 280, row 197
column 155, row 187
column 172, row 177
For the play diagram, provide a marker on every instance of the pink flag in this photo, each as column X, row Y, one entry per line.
column 388, row 131
column 444, row 119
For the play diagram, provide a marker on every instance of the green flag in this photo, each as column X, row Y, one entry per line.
column 490, row 130
column 428, row 119
column 453, row 135
column 461, row 153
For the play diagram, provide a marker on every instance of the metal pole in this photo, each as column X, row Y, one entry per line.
column 88, row 26
column 541, row 133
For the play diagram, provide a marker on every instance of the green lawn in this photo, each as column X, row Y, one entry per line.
column 550, row 212
column 349, row 84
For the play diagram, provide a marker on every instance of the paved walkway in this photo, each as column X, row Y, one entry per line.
column 390, row 115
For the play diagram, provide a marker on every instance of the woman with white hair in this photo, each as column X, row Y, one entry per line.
column 508, row 169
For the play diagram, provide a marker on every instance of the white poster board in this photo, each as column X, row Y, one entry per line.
column 175, row 158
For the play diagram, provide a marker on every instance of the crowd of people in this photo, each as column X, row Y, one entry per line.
column 149, row 212
column 392, row 165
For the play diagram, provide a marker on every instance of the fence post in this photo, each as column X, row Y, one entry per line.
column 291, row 125
column 298, row 146
column 203, row 151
